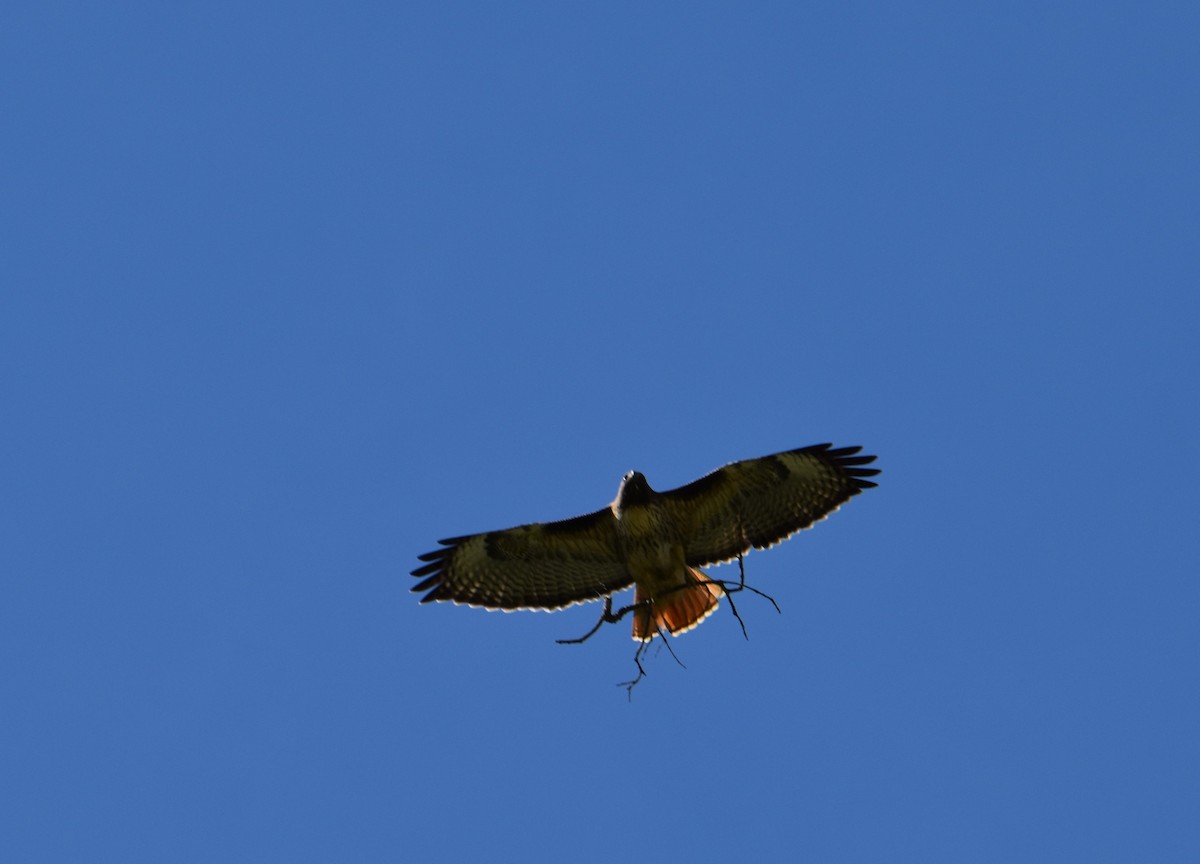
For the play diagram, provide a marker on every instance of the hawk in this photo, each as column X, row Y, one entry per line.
column 654, row 541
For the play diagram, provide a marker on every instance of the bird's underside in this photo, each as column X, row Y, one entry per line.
column 655, row 542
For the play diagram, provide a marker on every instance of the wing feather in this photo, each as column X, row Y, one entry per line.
column 758, row 502
column 545, row 565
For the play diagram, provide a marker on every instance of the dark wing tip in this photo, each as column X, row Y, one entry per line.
column 434, row 585
column 847, row 457
column 841, row 454
column 435, row 555
column 427, row 569
column 438, row 593
column 849, row 462
column 425, row 584
column 433, row 573
column 432, row 582
column 857, row 475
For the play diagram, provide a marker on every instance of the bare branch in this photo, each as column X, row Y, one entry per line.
column 608, row 616
column 605, row 617
column 637, row 659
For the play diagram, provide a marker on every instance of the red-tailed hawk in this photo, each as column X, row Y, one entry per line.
column 655, row 541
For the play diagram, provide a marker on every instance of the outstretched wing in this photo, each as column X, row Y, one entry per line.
column 547, row 565
column 758, row 502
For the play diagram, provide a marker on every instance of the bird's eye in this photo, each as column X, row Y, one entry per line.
column 628, row 475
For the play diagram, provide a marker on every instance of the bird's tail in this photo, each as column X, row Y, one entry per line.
column 677, row 610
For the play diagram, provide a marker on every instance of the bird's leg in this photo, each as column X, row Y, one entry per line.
column 729, row 589
column 754, row 590
column 742, row 586
column 733, row 608
column 607, row 617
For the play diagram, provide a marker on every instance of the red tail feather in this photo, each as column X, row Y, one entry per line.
column 677, row 610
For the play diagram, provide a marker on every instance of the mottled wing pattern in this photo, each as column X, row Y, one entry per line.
column 547, row 565
column 758, row 502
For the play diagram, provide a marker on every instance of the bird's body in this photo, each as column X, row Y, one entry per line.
column 655, row 541
column 651, row 544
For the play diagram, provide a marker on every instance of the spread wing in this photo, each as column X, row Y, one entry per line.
column 758, row 502
column 547, row 565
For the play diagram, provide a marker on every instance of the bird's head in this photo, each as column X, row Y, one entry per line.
column 634, row 490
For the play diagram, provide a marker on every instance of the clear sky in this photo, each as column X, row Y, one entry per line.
column 292, row 290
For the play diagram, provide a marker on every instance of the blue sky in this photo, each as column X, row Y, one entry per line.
column 293, row 290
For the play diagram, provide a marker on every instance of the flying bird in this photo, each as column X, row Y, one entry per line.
column 654, row 541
